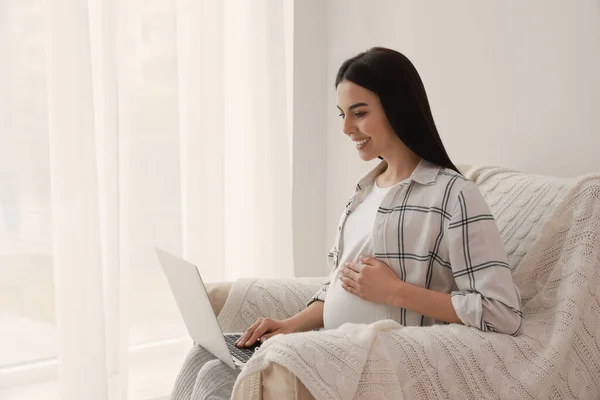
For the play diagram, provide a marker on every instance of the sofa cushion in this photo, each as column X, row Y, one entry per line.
column 217, row 293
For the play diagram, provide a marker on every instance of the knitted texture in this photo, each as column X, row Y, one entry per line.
column 551, row 229
column 520, row 202
column 203, row 377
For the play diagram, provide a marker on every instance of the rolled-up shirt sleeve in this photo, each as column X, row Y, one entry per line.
column 487, row 297
column 322, row 292
column 320, row 295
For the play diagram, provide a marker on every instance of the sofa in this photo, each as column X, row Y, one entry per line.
column 522, row 205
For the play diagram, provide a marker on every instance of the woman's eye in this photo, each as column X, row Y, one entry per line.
column 357, row 115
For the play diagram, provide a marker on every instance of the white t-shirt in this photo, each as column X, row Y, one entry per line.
column 340, row 306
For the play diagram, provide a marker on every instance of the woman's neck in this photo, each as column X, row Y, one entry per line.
column 399, row 167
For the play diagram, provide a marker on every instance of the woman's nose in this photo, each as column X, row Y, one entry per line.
column 348, row 127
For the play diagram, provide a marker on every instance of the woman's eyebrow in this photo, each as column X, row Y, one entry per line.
column 353, row 106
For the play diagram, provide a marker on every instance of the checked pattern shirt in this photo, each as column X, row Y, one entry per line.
column 436, row 231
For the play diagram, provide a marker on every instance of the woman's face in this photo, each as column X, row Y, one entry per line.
column 364, row 121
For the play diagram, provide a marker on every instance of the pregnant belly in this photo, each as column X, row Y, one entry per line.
column 341, row 307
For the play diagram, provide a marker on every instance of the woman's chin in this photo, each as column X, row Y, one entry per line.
column 366, row 155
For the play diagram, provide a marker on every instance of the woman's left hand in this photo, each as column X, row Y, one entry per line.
column 372, row 280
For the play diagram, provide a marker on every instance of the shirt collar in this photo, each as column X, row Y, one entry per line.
column 425, row 173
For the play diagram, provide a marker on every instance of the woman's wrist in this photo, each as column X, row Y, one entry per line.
column 291, row 324
column 308, row 319
column 396, row 298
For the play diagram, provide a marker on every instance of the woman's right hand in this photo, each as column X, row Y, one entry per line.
column 263, row 329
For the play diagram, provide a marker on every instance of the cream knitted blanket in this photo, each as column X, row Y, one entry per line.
column 556, row 356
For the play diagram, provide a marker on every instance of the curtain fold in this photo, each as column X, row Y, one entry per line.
column 234, row 139
column 81, row 314
column 200, row 104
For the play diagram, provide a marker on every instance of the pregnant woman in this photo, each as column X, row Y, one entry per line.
column 416, row 242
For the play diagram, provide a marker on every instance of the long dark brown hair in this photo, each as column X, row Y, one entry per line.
column 392, row 77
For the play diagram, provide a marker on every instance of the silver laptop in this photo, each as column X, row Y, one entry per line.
column 201, row 322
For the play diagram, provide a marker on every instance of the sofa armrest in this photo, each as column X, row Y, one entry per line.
column 278, row 382
column 217, row 294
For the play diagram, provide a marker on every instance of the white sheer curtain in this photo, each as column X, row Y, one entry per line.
column 149, row 122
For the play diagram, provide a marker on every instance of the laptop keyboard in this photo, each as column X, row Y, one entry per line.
column 241, row 353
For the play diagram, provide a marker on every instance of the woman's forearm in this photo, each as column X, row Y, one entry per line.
column 427, row 302
column 311, row 318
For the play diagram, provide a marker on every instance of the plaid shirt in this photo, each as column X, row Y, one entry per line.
column 436, row 231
